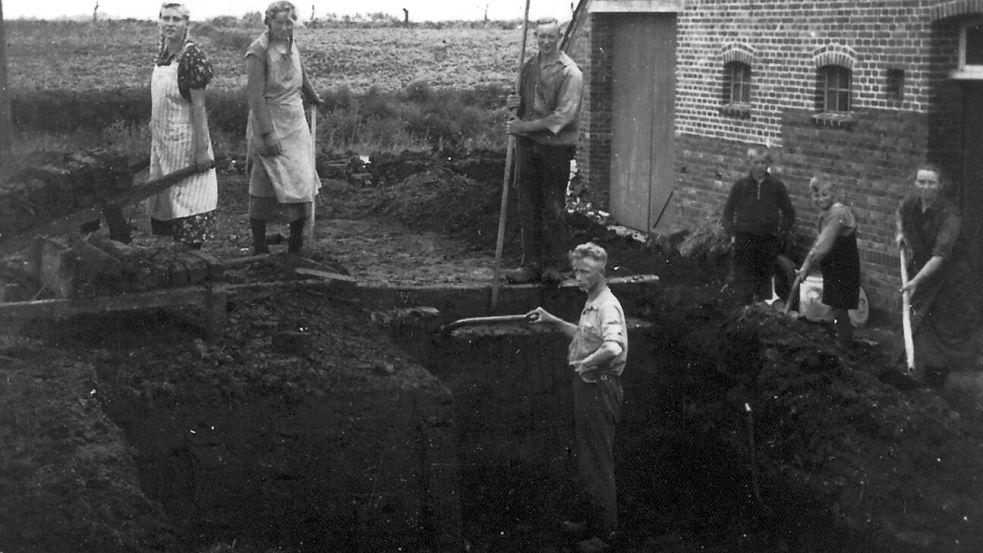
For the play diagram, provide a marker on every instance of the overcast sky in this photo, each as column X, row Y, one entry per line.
column 420, row 10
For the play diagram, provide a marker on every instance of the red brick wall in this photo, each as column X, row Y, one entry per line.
column 872, row 156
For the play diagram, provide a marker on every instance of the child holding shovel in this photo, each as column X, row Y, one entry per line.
column 835, row 251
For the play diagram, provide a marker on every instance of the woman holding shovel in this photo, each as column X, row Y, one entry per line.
column 278, row 138
column 835, row 251
column 941, row 293
column 179, row 134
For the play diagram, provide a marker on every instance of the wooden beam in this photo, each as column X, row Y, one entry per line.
column 637, row 6
column 196, row 295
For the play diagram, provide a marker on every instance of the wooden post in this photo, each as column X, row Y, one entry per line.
column 6, row 123
column 313, row 217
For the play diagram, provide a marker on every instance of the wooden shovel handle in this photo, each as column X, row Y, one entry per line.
column 909, row 339
column 791, row 293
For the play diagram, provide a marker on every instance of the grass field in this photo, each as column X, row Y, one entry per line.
column 45, row 55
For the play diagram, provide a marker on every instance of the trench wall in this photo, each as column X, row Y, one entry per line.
column 363, row 468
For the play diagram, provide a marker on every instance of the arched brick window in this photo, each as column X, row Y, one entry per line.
column 737, row 83
column 834, row 92
column 834, row 84
column 736, row 92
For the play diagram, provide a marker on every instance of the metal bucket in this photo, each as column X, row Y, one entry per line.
column 812, row 308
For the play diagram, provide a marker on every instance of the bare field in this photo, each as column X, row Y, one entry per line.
column 111, row 54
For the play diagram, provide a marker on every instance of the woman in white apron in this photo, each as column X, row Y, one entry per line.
column 278, row 138
column 179, row 134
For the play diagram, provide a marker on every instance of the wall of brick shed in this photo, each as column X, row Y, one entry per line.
column 872, row 162
column 594, row 148
column 784, row 35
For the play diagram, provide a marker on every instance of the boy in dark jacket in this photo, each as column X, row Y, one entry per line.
column 757, row 214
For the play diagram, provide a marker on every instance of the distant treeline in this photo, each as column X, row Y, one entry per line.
column 254, row 20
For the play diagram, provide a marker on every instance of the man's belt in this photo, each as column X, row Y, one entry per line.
column 595, row 376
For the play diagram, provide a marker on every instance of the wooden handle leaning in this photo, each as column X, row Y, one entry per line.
column 909, row 340
column 791, row 293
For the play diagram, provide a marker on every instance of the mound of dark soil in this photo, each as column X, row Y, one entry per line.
column 768, row 429
column 68, row 480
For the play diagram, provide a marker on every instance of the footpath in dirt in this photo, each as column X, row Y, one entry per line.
column 751, row 431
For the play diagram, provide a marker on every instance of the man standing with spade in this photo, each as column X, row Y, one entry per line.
column 546, row 129
column 597, row 354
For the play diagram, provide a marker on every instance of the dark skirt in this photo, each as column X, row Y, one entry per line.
column 841, row 274
column 943, row 318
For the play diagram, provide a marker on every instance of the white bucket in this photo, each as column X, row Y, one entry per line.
column 812, row 308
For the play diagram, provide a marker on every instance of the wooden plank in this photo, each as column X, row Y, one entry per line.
column 343, row 281
column 663, row 52
column 104, row 304
column 239, row 261
column 260, row 290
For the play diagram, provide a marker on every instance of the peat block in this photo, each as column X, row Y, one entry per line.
column 53, row 185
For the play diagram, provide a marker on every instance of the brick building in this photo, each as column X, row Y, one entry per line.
column 861, row 89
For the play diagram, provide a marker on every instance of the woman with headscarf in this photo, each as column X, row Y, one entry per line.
column 929, row 226
column 278, row 138
column 179, row 134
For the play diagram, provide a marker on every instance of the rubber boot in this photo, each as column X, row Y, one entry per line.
column 258, row 226
column 296, row 240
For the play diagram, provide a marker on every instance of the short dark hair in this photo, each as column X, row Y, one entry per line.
column 760, row 150
column 935, row 168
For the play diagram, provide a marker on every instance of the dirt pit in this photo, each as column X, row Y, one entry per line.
column 744, row 430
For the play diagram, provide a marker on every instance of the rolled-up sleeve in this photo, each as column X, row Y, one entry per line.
column 613, row 325
column 568, row 101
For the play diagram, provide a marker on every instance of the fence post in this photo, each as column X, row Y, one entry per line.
column 6, row 123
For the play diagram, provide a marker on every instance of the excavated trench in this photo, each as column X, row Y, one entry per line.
column 320, row 421
column 474, row 451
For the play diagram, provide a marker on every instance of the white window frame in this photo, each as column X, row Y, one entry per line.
column 967, row 72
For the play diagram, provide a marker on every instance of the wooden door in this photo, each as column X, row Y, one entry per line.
column 642, row 125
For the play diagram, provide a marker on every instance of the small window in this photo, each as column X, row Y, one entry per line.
column 834, row 84
column 737, row 89
column 970, row 52
column 973, row 53
column 737, row 83
column 895, row 84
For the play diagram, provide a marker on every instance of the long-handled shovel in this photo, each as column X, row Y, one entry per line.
column 310, row 221
column 507, row 178
column 473, row 321
column 909, row 340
